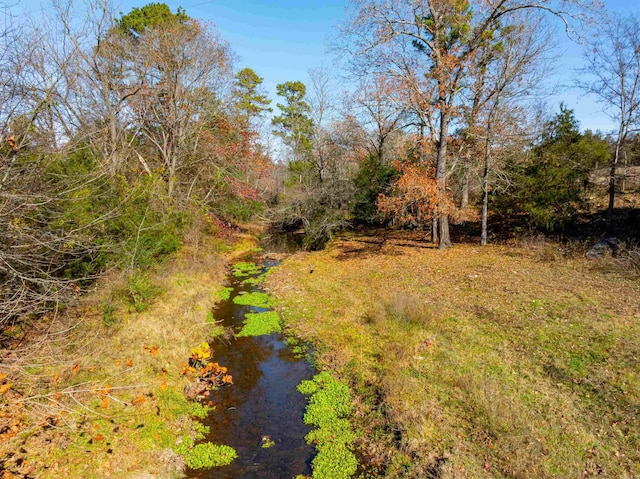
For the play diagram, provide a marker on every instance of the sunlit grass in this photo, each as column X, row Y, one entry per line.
column 476, row 362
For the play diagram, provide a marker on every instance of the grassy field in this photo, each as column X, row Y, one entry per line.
column 505, row 361
column 96, row 391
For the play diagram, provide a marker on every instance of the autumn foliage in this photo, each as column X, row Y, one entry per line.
column 415, row 196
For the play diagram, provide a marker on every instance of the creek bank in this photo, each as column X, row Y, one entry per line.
column 105, row 384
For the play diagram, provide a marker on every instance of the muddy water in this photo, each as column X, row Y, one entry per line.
column 262, row 403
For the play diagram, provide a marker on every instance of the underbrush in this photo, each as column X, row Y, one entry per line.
column 496, row 362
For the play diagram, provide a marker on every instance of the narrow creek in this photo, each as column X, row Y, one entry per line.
column 262, row 407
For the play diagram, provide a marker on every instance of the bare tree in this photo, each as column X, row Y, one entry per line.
column 613, row 65
column 439, row 39
column 322, row 109
column 185, row 73
column 380, row 104
column 500, row 79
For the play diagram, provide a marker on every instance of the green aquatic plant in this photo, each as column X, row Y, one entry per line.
column 254, row 281
column 259, row 324
column 328, row 409
column 242, row 269
column 217, row 330
column 207, row 455
column 267, row 442
column 200, row 411
column 259, row 300
column 223, row 295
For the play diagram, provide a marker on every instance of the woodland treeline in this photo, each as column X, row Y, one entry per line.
column 124, row 133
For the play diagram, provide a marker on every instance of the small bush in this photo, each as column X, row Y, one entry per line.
column 233, row 208
column 141, row 291
column 108, row 314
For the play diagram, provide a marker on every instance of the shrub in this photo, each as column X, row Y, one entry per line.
column 141, row 291
column 373, row 178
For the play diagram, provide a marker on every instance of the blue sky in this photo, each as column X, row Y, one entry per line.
column 283, row 39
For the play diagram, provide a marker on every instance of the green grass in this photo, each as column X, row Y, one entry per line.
column 259, row 324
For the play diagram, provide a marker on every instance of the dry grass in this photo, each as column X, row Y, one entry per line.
column 477, row 362
column 101, row 396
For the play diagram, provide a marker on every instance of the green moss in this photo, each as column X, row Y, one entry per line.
column 258, row 324
column 328, row 409
column 207, row 455
column 259, row 300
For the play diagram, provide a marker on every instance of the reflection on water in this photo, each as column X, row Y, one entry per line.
column 262, row 402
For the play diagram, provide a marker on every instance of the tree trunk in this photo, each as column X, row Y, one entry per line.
column 441, row 177
column 434, row 229
column 612, row 176
column 464, row 202
column 485, row 190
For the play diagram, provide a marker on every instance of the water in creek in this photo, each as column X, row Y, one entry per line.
column 262, row 403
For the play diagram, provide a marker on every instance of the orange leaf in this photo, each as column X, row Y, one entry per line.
column 99, row 437
column 4, row 388
column 137, row 401
column 154, row 350
column 105, row 390
column 105, row 402
column 92, row 369
column 129, row 362
column 75, row 369
column 227, row 379
column 3, row 376
column 56, row 378
column 118, row 363
column 163, row 386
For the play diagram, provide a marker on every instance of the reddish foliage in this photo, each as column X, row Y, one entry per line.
column 223, row 229
column 416, row 195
